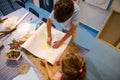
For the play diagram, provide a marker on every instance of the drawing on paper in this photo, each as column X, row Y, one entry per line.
column 44, row 46
column 38, row 45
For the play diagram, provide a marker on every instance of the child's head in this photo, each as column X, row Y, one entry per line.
column 63, row 10
column 73, row 67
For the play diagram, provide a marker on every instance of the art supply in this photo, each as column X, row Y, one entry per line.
column 21, row 19
column 12, row 28
column 3, row 19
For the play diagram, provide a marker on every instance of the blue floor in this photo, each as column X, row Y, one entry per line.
column 102, row 61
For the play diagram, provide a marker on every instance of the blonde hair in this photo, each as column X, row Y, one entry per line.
column 71, row 66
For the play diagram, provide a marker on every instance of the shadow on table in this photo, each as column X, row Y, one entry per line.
column 13, row 63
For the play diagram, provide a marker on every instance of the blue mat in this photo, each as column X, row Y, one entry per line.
column 82, row 50
column 8, row 69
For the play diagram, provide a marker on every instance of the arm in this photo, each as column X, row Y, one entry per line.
column 67, row 35
column 49, row 72
column 49, row 39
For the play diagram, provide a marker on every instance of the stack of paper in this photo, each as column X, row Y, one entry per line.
column 37, row 44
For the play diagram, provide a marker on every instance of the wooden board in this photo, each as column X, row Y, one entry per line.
column 110, row 32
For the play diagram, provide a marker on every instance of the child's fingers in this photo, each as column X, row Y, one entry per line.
column 39, row 59
column 44, row 60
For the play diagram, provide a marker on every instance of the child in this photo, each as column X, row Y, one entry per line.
column 67, row 13
column 73, row 67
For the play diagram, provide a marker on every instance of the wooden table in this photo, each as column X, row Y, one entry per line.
column 72, row 47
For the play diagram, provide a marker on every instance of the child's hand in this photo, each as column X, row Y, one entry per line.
column 49, row 40
column 57, row 44
column 44, row 61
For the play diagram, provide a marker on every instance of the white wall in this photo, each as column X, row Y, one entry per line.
column 93, row 16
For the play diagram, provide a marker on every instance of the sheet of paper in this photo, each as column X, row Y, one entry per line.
column 37, row 44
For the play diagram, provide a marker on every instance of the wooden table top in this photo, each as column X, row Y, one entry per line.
column 72, row 47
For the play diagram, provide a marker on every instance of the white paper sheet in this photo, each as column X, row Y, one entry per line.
column 37, row 44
